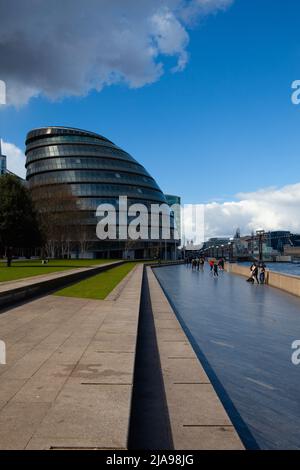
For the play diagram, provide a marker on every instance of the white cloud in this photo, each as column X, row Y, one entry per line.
column 15, row 158
column 269, row 209
column 61, row 48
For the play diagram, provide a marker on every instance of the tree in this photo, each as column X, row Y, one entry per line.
column 19, row 227
column 60, row 218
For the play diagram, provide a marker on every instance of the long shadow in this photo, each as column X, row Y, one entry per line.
column 150, row 427
column 241, row 427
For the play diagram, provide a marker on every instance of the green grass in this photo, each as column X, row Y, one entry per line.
column 98, row 286
column 30, row 268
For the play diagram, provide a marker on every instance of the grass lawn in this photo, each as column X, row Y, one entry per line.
column 29, row 268
column 98, row 286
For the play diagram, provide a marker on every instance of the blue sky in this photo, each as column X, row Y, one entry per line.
column 223, row 125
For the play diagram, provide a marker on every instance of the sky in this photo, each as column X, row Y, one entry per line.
column 198, row 91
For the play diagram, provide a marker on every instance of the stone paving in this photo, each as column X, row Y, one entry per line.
column 69, row 373
column 197, row 417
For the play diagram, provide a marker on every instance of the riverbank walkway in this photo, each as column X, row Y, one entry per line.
column 243, row 334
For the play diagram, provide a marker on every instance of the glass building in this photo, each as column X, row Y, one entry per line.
column 76, row 171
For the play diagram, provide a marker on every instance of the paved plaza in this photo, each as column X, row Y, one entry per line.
column 69, row 373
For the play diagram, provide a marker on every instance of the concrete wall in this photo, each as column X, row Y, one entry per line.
column 285, row 282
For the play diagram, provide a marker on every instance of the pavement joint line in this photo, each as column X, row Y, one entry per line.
column 207, row 425
column 116, row 352
column 191, row 383
column 179, row 357
column 174, row 341
column 167, row 328
column 41, row 419
column 103, row 383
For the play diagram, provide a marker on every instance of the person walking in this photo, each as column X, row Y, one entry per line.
column 211, row 264
column 216, row 269
column 255, row 273
column 262, row 274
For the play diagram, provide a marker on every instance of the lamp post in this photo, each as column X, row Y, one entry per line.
column 222, row 248
column 260, row 234
column 229, row 251
column 217, row 247
column 230, row 245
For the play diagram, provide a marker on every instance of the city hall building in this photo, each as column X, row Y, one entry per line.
column 73, row 172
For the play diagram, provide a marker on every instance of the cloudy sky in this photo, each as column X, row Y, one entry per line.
column 197, row 90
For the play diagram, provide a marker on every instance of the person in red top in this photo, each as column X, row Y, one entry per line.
column 211, row 264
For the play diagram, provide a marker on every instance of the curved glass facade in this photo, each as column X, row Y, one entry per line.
column 94, row 171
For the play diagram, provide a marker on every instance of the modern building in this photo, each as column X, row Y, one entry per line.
column 3, row 165
column 73, row 171
column 214, row 242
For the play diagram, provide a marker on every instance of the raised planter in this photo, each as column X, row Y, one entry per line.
column 24, row 289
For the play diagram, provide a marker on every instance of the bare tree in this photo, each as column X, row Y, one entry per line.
column 59, row 217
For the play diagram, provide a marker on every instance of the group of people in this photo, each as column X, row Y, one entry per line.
column 257, row 270
column 197, row 264
column 258, row 273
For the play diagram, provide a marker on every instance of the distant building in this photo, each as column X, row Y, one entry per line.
column 293, row 251
column 278, row 239
column 214, row 242
column 3, row 166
